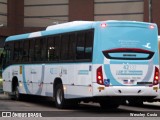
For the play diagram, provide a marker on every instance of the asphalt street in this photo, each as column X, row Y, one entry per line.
column 45, row 107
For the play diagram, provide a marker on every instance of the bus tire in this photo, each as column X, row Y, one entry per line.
column 60, row 101
column 17, row 95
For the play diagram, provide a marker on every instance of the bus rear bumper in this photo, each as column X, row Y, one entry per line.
column 99, row 90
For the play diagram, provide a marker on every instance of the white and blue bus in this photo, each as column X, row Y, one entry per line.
column 104, row 62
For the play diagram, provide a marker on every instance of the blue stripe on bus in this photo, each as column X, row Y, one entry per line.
column 39, row 91
column 17, row 37
column 110, row 76
column 149, row 72
column 24, row 81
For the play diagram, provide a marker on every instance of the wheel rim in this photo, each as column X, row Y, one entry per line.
column 59, row 96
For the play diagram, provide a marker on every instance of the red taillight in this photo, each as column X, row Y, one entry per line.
column 103, row 25
column 151, row 26
column 156, row 76
column 100, row 76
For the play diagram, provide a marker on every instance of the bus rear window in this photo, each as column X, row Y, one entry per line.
column 128, row 54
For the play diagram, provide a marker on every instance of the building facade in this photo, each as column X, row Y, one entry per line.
column 21, row 16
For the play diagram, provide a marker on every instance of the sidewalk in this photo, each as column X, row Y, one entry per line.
column 4, row 96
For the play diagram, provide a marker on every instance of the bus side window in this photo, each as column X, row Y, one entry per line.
column 21, row 50
column 44, row 49
column 31, row 50
column 84, row 45
column 64, row 47
column 51, row 49
column 53, row 52
column 80, row 48
column 38, row 50
column 25, row 51
column 89, row 44
column 16, row 51
column 57, row 47
column 72, row 46
column 8, row 53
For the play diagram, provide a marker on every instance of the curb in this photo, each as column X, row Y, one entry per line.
column 4, row 96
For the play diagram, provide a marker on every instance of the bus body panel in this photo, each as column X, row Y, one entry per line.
column 39, row 79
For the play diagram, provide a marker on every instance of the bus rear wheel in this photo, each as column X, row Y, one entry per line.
column 60, row 101
column 17, row 95
column 59, row 97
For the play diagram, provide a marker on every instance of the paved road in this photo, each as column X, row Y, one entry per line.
column 46, row 107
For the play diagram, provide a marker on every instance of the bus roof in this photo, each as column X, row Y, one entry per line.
column 72, row 26
column 55, row 29
column 69, row 24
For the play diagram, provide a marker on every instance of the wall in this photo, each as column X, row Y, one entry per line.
column 41, row 13
column 3, row 12
column 155, row 13
column 118, row 10
column 21, row 16
column 81, row 10
column 155, row 17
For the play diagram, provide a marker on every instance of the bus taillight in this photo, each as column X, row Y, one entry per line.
column 103, row 25
column 100, row 76
column 156, row 76
column 151, row 26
